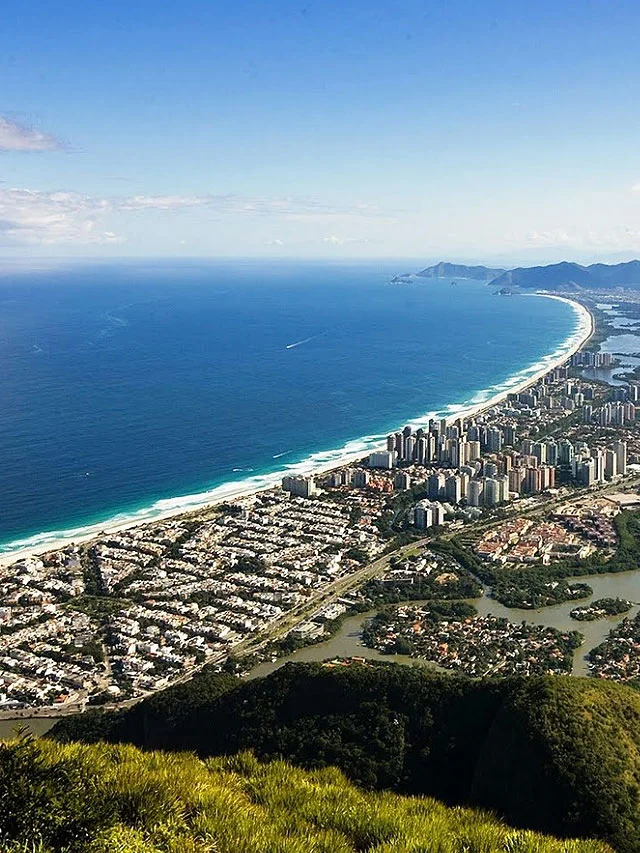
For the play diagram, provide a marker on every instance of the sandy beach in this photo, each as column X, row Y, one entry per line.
column 201, row 502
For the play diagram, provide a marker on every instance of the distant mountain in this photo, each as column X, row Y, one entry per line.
column 617, row 275
column 446, row 270
column 562, row 276
column 553, row 277
column 568, row 276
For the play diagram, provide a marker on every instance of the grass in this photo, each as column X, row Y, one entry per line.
column 116, row 799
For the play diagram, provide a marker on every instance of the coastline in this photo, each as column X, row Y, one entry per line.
column 314, row 464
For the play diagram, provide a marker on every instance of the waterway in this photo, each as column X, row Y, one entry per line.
column 347, row 642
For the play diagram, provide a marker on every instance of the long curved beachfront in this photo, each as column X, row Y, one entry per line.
column 316, row 463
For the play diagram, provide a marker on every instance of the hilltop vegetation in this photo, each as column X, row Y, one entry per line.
column 116, row 799
column 558, row 755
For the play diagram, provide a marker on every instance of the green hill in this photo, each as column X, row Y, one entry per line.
column 553, row 754
column 116, row 799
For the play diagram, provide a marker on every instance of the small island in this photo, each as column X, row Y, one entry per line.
column 600, row 608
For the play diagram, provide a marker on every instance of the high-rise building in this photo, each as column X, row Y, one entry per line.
column 438, row 514
column 586, row 472
column 620, row 448
column 302, row 487
column 421, row 450
column 598, row 462
column 547, row 477
column 494, row 440
column 610, row 464
column 360, row 479
column 402, row 481
column 382, row 459
column 552, row 453
column 532, row 480
column 444, row 451
column 423, row 515
column 459, row 452
column 566, row 452
column 516, row 476
column 490, row 468
column 391, row 442
column 409, row 448
column 436, row 486
column 473, row 450
column 492, row 492
column 509, row 435
column 341, row 477
column 453, row 488
column 474, row 492
column 540, row 451
column 527, row 447
column 503, row 488
column 473, row 433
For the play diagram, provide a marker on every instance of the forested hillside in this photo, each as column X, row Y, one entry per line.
column 559, row 755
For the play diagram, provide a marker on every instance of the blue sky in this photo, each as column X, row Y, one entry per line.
column 320, row 129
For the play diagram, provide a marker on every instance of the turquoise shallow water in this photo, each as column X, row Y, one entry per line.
column 130, row 389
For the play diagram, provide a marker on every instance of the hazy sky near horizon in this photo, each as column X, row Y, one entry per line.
column 462, row 129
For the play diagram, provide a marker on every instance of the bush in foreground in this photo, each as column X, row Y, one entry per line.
column 116, row 799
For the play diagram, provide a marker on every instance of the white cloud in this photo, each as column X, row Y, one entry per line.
column 38, row 217
column 555, row 237
column 636, row 188
column 623, row 237
column 33, row 217
column 20, row 137
column 276, row 242
column 342, row 241
column 161, row 202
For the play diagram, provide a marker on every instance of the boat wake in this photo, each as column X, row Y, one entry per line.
column 299, row 343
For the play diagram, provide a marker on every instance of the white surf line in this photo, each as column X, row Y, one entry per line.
column 316, row 463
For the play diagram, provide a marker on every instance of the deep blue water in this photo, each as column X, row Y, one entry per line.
column 123, row 385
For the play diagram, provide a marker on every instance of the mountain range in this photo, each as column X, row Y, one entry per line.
column 562, row 276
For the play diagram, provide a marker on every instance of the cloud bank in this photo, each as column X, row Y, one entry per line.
column 20, row 137
column 37, row 217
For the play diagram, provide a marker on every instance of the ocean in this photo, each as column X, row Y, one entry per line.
column 134, row 388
